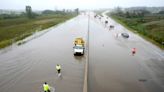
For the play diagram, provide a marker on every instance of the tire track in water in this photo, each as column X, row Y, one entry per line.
column 14, row 70
column 13, row 75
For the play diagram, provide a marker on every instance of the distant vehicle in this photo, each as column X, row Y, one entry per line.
column 79, row 41
column 106, row 22
column 95, row 16
column 111, row 26
column 78, row 50
column 125, row 35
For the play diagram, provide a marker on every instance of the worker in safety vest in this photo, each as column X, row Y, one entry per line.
column 46, row 87
column 58, row 68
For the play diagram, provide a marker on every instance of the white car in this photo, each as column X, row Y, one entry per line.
column 78, row 49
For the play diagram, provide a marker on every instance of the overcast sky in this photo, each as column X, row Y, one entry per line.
column 71, row 4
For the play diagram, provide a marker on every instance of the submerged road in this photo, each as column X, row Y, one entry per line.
column 112, row 68
column 25, row 68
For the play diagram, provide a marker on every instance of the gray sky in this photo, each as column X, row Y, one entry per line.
column 71, row 4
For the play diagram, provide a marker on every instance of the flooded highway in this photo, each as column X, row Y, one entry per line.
column 26, row 67
column 111, row 68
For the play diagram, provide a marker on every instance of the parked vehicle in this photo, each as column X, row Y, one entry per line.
column 79, row 46
column 125, row 35
column 78, row 50
column 111, row 26
column 106, row 22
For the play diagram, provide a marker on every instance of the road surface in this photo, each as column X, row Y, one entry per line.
column 112, row 68
column 25, row 68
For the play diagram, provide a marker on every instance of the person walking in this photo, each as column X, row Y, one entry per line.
column 46, row 87
column 58, row 68
column 133, row 51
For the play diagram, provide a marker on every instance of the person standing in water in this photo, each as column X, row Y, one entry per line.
column 133, row 51
column 46, row 87
column 58, row 68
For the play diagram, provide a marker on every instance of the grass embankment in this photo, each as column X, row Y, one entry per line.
column 150, row 27
column 20, row 28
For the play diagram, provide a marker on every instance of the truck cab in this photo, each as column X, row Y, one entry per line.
column 78, row 50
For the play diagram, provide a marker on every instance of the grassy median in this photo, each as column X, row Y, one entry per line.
column 12, row 30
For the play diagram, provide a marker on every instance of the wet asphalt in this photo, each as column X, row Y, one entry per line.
column 26, row 67
column 112, row 68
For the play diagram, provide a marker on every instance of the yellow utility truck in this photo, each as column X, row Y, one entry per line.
column 79, row 41
column 79, row 46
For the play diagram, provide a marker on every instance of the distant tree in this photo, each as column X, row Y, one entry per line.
column 64, row 10
column 127, row 14
column 48, row 12
column 77, row 10
column 60, row 12
column 144, row 12
column 29, row 12
column 9, row 16
column 23, row 14
column 139, row 13
column 119, row 11
column 161, row 12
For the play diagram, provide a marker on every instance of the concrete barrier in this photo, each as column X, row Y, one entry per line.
column 85, row 86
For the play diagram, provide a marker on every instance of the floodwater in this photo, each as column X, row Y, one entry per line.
column 112, row 68
column 26, row 67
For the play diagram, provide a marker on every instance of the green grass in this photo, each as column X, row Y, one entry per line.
column 20, row 28
column 152, row 29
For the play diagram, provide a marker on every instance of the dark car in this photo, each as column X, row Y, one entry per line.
column 106, row 22
column 125, row 35
column 111, row 26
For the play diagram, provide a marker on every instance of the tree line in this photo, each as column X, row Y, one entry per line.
column 134, row 13
column 29, row 13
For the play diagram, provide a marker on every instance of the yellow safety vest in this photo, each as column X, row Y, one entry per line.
column 46, row 87
column 58, row 67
